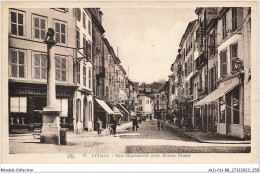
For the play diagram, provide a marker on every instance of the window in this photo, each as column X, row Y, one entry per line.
column 89, row 27
column 84, row 75
column 84, row 45
column 224, row 26
column 61, row 68
column 140, row 102
column 212, row 43
column 78, row 13
column 40, row 66
column 78, row 39
column 17, row 63
column 18, row 104
column 141, row 108
column 62, row 105
column 147, row 101
column 186, row 70
column 39, row 27
column 78, row 72
column 17, row 23
column 233, row 56
column 89, row 77
column 60, row 32
column 223, row 63
column 84, row 20
column 88, row 49
column 206, row 78
column 234, row 19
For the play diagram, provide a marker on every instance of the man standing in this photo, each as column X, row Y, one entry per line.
column 113, row 125
column 135, row 124
column 99, row 126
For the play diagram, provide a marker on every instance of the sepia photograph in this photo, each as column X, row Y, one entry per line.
column 108, row 81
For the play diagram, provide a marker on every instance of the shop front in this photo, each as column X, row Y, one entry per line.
column 103, row 112
column 27, row 100
column 221, row 110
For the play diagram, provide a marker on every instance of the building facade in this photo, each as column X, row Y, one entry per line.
column 213, row 71
column 28, row 65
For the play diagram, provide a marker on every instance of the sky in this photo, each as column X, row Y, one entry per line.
column 147, row 39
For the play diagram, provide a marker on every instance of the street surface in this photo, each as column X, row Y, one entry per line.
column 148, row 139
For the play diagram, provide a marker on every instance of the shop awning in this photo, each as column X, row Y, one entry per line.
column 124, row 108
column 117, row 111
column 216, row 94
column 104, row 106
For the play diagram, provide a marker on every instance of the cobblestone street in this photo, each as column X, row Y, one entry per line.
column 148, row 139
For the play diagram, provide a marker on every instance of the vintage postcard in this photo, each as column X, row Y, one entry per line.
column 129, row 82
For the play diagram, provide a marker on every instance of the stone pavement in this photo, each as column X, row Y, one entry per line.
column 147, row 139
column 202, row 137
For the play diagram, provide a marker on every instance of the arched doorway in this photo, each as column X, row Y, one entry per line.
column 85, row 112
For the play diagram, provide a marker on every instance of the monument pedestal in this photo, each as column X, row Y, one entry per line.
column 50, row 126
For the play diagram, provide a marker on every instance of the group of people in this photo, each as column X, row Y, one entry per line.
column 113, row 125
column 182, row 122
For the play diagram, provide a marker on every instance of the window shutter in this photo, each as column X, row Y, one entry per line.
column 78, row 13
column 221, row 64
column 89, row 50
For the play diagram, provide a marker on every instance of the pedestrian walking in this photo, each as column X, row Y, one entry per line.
column 99, row 126
column 113, row 125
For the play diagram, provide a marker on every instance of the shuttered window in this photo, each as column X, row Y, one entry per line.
column 84, row 20
column 84, row 75
column 39, row 27
column 234, row 19
column 78, row 14
column 40, row 66
column 78, row 73
column 17, row 63
column 61, row 68
column 89, row 27
column 89, row 77
column 78, row 38
column 186, row 70
column 84, row 45
column 224, row 26
column 18, row 104
column 89, row 51
column 223, row 63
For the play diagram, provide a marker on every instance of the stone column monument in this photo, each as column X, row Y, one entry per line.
column 50, row 115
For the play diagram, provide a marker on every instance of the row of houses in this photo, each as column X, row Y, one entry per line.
column 210, row 83
column 91, row 83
